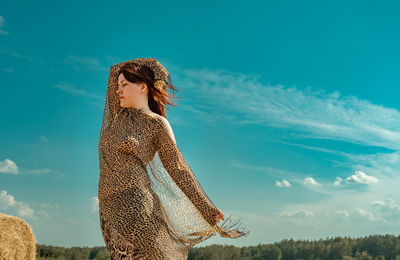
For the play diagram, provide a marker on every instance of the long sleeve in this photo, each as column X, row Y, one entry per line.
column 177, row 167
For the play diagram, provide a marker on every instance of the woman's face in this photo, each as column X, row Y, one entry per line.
column 129, row 93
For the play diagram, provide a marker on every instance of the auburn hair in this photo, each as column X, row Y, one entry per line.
column 157, row 98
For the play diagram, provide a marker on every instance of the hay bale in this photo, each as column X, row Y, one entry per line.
column 16, row 238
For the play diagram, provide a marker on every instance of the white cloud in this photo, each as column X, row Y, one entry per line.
column 2, row 20
column 73, row 90
column 6, row 200
column 310, row 181
column 88, row 62
column 387, row 209
column 8, row 166
column 44, row 139
column 52, row 206
column 24, row 211
column 94, row 204
column 42, row 214
column 83, row 60
column 361, row 177
column 337, row 181
column 378, row 202
column 283, row 183
column 342, row 213
column 38, row 171
column 389, row 202
column 9, row 204
column 366, row 214
column 297, row 213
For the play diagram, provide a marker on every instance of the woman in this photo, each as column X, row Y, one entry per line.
column 151, row 205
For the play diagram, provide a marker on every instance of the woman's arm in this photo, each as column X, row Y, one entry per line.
column 173, row 162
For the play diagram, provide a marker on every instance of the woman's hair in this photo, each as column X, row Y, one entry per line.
column 157, row 98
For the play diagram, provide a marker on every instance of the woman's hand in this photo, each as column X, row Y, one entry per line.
column 218, row 216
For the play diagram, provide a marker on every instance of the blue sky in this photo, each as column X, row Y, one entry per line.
column 288, row 114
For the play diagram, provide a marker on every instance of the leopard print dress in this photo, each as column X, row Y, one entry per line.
column 151, row 205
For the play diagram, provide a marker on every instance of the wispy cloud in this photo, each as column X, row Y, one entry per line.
column 73, row 90
column 51, row 206
column 337, row 181
column 314, row 148
column 19, row 55
column 44, row 139
column 299, row 216
column 278, row 173
column 94, row 201
column 38, row 171
column 2, row 22
column 366, row 214
column 343, row 213
column 87, row 63
column 377, row 164
column 9, row 70
column 314, row 114
column 297, row 213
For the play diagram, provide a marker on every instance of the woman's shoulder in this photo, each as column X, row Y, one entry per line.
column 163, row 125
column 161, row 121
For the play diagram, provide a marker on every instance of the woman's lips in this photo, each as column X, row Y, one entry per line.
column 121, row 97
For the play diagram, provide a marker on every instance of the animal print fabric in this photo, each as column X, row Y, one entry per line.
column 151, row 205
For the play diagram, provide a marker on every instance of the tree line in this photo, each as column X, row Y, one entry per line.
column 373, row 247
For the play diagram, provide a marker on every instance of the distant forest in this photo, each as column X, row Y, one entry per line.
column 372, row 247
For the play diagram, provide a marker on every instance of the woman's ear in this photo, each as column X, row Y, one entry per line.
column 143, row 87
